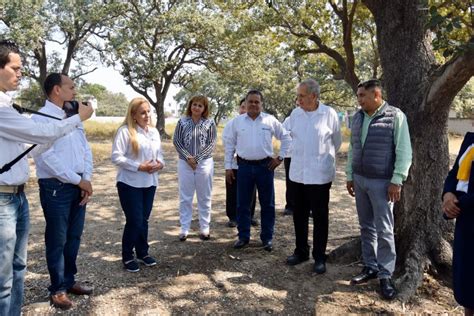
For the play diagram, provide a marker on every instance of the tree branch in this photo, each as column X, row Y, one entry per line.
column 450, row 78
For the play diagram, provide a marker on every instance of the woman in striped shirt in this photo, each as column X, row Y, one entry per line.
column 195, row 139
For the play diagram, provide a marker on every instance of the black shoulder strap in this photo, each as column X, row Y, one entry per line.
column 21, row 110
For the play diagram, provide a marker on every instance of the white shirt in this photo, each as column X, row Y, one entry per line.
column 68, row 157
column 225, row 137
column 127, row 163
column 252, row 139
column 15, row 130
column 286, row 125
column 316, row 137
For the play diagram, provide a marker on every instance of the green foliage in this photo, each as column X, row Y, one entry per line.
column 463, row 104
column 452, row 25
column 73, row 26
column 31, row 97
column 109, row 103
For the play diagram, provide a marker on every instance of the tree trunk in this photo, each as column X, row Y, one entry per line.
column 408, row 62
column 159, row 106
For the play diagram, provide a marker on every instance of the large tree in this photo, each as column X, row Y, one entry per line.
column 153, row 44
column 71, row 26
column 424, row 89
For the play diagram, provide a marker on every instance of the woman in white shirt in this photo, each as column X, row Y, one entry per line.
column 137, row 153
column 195, row 139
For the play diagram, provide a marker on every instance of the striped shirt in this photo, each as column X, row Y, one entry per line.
column 195, row 139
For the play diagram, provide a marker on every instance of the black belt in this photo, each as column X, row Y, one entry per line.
column 241, row 160
column 12, row 189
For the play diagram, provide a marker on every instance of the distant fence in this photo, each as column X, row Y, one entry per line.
column 460, row 126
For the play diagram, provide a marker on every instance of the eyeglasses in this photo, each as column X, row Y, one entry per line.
column 370, row 84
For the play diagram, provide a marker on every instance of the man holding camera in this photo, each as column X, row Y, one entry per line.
column 64, row 174
column 15, row 130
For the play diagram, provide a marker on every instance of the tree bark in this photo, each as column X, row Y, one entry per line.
column 411, row 78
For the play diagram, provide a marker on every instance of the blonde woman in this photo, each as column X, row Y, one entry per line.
column 137, row 153
column 195, row 139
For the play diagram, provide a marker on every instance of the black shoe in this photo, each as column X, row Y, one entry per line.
column 365, row 275
column 267, row 246
column 204, row 236
column 287, row 211
column 231, row 224
column 254, row 222
column 319, row 267
column 387, row 289
column 294, row 259
column 239, row 244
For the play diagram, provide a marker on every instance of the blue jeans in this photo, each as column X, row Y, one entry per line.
column 249, row 176
column 64, row 224
column 376, row 224
column 136, row 204
column 14, row 227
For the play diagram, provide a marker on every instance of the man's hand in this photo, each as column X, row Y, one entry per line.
column 450, row 207
column 85, row 198
column 394, row 191
column 85, row 111
column 85, row 186
column 229, row 176
column 350, row 188
column 274, row 162
column 192, row 162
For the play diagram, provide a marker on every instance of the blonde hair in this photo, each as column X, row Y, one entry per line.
column 132, row 124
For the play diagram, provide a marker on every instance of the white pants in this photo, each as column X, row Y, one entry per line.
column 199, row 181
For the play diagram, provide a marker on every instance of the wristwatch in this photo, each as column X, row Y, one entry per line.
column 280, row 158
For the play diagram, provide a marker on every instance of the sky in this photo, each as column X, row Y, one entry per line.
column 113, row 81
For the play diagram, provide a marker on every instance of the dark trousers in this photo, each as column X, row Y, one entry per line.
column 231, row 199
column 64, row 224
column 290, row 190
column 251, row 175
column 311, row 197
column 136, row 204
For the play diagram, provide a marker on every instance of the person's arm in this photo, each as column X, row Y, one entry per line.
column 283, row 136
column 403, row 151
column 336, row 131
column 349, row 178
column 88, row 161
column 159, row 151
column 16, row 127
column 210, row 142
column 119, row 149
column 178, row 143
column 230, row 142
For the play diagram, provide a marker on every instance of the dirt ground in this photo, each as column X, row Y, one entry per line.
column 210, row 277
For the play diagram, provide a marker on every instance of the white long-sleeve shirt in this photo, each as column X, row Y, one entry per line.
column 225, row 137
column 68, row 157
column 252, row 139
column 286, row 125
column 127, row 163
column 316, row 137
column 16, row 130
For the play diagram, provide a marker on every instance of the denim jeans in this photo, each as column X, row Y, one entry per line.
column 14, row 227
column 249, row 176
column 136, row 204
column 231, row 199
column 64, row 224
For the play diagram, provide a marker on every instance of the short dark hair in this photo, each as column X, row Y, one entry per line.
column 241, row 101
column 53, row 79
column 254, row 91
column 6, row 48
column 371, row 83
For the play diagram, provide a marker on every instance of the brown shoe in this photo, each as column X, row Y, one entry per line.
column 60, row 300
column 80, row 289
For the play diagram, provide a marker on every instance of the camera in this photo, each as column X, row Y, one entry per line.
column 72, row 107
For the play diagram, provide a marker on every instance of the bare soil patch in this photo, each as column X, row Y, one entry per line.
column 210, row 277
